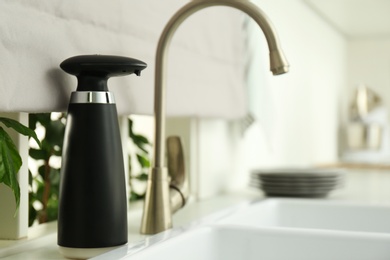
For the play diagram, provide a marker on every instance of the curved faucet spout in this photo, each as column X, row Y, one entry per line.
column 278, row 65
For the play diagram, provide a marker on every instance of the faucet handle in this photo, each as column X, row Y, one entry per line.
column 176, row 170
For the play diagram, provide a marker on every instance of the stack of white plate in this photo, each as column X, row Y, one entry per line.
column 297, row 182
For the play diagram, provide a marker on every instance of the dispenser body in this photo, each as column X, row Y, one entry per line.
column 93, row 205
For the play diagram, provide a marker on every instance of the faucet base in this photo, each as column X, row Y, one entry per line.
column 157, row 216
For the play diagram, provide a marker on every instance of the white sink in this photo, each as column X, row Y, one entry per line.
column 274, row 229
column 313, row 214
column 224, row 242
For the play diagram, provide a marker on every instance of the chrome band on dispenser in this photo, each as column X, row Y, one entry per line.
column 89, row 97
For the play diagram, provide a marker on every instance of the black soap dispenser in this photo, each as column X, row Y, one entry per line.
column 92, row 205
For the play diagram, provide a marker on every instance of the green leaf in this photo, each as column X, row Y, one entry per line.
column 20, row 128
column 54, row 176
column 52, row 209
column 143, row 161
column 32, row 212
column 2, row 169
column 130, row 127
column 142, row 177
column 32, row 121
column 10, row 164
column 42, row 118
column 40, row 188
column 55, row 131
column 42, row 172
column 46, row 146
column 134, row 196
column 38, row 154
column 30, row 178
column 139, row 140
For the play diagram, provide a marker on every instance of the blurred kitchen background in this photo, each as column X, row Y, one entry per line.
column 330, row 110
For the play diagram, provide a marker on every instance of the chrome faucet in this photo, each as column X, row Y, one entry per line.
column 166, row 193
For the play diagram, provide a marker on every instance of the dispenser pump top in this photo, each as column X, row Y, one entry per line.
column 93, row 71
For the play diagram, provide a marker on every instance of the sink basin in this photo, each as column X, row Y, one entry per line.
column 313, row 214
column 274, row 229
column 229, row 242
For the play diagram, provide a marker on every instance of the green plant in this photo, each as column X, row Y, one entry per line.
column 44, row 184
column 10, row 160
column 142, row 147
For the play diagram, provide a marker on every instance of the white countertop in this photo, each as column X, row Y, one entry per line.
column 367, row 186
